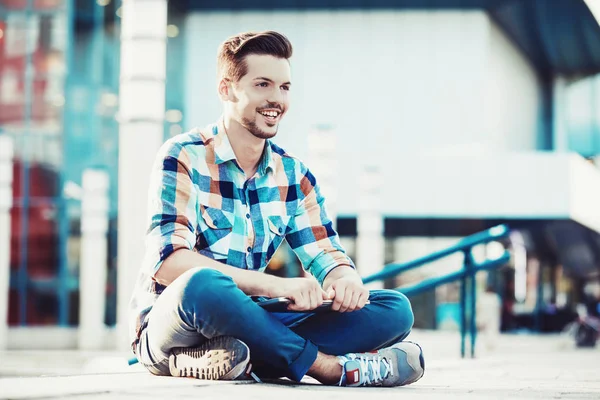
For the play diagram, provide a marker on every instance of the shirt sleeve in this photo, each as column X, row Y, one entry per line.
column 172, row 206
column 311, row 235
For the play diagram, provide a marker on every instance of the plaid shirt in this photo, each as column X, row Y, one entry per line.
column 200, row 200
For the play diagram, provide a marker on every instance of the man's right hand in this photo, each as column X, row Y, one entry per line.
column 305, row 293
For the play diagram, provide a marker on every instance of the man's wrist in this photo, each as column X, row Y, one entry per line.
column 269, row 285
column 338, row 272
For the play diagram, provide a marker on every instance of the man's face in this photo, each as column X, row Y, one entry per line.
column 260, row 98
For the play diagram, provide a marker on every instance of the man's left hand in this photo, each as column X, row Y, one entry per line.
column 348, row 293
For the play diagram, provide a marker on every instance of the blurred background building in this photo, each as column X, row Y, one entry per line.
column 471, row 113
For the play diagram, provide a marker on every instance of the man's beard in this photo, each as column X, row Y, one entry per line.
column 256, row 131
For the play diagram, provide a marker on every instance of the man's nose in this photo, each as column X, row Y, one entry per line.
column 276, row 97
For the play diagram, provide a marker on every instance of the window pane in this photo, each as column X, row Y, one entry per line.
column 20, row 37
column 48, row 4
column 12, row 99
column 13, row 307
column 42, row 306
column 42, row 242
column 50, row 48
column 48, row 101
column 14, row 4
column 41, row 257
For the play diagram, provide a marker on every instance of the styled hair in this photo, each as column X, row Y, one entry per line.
column 231, row 57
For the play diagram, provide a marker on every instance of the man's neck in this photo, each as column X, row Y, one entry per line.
column 248, row 149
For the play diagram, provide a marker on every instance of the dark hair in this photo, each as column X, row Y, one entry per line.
column 231, row 61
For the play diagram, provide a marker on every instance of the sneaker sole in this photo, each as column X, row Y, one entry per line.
column 220, row 358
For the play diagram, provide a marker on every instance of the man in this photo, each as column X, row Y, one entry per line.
column 222, row 200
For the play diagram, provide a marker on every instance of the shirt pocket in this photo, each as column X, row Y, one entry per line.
column 277, row 228
column 214, row 233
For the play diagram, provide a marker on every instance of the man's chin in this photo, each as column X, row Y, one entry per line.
column 264, row 135
column 266, row 132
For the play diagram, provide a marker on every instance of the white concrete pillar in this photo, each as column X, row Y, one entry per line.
column 370, row 243
column 559, row 120
column 6, row 195
column 141, row 115
column 323, row 163
column 93, row 266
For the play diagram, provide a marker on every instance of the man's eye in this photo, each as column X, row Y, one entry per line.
column 263, row 84
column 285, row 87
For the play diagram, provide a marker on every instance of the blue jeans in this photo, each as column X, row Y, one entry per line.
column 204, row 303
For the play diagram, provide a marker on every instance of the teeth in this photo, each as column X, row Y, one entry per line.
column 270, row 113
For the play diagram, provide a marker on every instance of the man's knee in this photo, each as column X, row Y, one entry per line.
column 399, row 311
column 204, row 286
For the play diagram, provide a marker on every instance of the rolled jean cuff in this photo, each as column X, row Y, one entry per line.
column 300, row 366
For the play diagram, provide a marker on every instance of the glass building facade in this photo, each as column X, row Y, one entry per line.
column 59, row 75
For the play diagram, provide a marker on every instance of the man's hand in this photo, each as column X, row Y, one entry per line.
column 305, row 293
column 347, row 290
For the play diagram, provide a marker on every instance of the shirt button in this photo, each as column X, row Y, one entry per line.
column 248, row 216
column 279, row 230
column 249, row 249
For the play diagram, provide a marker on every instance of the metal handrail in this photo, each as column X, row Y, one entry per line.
column 432, row 283
column 490, row 235
column 466, row 275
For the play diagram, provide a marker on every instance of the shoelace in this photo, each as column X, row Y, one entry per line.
column 374, row 363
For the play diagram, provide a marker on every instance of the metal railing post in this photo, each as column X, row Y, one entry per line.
column 470, row 270
column 463, row 311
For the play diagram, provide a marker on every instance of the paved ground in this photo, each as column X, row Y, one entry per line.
column 518, row 367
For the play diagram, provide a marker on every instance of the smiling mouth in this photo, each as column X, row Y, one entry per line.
column 271, row 116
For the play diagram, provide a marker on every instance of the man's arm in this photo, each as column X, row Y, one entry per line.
column 317, row 245
column 250, row 282
column 306, row 293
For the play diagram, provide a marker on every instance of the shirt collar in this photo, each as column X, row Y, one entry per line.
column 224, row 152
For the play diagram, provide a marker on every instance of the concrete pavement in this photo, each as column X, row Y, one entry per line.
column 518, row 366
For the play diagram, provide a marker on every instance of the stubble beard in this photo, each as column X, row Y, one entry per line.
column 256, row 131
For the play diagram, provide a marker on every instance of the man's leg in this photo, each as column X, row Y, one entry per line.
column 204, row 303
column 388, row 319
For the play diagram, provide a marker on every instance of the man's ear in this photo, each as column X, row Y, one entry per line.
column 224, row 89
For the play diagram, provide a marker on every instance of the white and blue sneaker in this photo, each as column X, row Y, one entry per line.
column 398, row 365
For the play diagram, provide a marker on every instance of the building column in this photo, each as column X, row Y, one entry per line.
column 6, row 197
column 559, row 121
column 322, row 144
column 370, row 243
column 141, row 115
column 93, row 268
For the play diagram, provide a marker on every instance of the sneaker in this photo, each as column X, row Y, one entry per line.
column 398, row 365
column 220, row 358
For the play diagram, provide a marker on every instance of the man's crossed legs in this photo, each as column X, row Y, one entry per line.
column 204, row 307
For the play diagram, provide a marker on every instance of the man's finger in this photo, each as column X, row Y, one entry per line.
column 299, row 303
column 347, row 299
column 328, row 294
column 362, row 300
column 338, row 299
column 354, row 302
column 314, row 299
